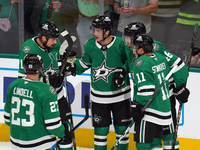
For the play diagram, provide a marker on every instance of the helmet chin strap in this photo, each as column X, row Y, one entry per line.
column 46, row 48
column 104, row 38
column 139, row 55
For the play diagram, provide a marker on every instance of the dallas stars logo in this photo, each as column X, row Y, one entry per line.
column 138, row 63
column 102, row 72
column 50, row 70
column 97, row 119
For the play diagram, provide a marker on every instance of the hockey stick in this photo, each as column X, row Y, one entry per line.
column 86, row 102
column 192, row 45
column 86, row 99
column 145, row 106
column 69, row 41
column 181, row 104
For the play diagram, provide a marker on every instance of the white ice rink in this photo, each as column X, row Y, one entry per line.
column 6, row 146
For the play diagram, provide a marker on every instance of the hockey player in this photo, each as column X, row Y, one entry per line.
column 149, row 71
column 47, row 45
column 102, row 56
column 31, row 109
column 180, row 76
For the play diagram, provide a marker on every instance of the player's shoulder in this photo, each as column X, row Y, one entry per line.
column 117, row 38
column 28, row 45
column 15, row 82
column 91, row 40
column 90, row 44
column 119, row 41
column 46, row 87
column 156, row 46
column 142, row 62
column 39, row 86
column 29, row 41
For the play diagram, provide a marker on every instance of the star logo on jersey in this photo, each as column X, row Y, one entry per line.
column 97, row 119
column 52, row 90
column 26, row 49
column 102, row 72
column 156, row 47
column 50, row 70
column 139, row 62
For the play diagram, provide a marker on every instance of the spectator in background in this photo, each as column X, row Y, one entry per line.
column 134, row 10
column 164, row 19
column 28, row 8
column 89, row 10
column 7, row 8
column 195, row 61
column 52, row 10
column 189, row 15
column 64, row 13
column 180, row 34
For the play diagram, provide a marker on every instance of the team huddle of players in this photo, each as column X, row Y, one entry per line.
column 37, row 111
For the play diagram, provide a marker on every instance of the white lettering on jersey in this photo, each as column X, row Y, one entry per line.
column 22, row 92
column 159, row 68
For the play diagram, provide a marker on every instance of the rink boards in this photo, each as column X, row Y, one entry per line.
column 188, row 133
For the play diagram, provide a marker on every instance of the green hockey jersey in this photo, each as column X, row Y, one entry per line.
column 102, row 61
column 149, row 72
column 179, row 76
column 50, row 59
column 31, row 110
column 181, row 73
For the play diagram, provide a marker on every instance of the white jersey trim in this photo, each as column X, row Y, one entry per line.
column 110, row 92
column 109, row 100
column 82, row 63
column 42, row 146
column 156, row 120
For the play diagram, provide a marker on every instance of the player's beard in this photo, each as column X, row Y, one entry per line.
column 51, row 47
column 48, row 48
column 135, row 52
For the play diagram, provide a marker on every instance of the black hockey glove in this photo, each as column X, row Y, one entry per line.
column 54, row 80
column 136, row 111
column 195, row 51
column 181, row 93
column 70, row 69
column 71, row 56
column 118, row 77
column 68, row 134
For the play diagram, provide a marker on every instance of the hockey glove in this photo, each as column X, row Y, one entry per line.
column 68, row 134
column 118, row 77
column 71, row 57
column 54, row 80
column 181, row 93
column 195, row 51
column 70, row 69
column 136, row 111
